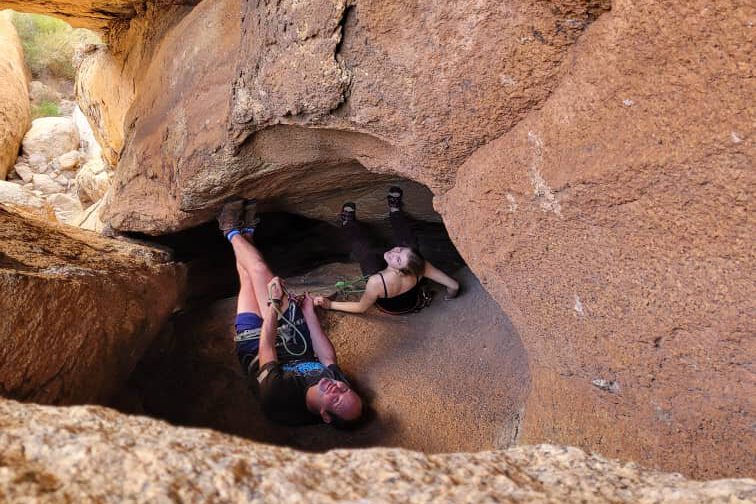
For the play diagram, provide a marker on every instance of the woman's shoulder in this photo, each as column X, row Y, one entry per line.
column 375, row 279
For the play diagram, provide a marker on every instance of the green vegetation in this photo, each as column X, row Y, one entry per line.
column 45, row 109
column 49, row 44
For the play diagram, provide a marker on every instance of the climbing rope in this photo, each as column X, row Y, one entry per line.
column 342, row 287
column 293, row 301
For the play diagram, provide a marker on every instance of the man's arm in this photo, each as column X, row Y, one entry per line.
column 435, row 274
column 320, row 342
column 267, row 350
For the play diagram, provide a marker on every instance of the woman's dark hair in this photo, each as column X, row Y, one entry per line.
column 415, row 263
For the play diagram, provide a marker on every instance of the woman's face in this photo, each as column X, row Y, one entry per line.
column 397, row 257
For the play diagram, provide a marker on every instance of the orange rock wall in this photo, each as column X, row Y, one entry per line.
column 78, row 310
column 592, row 161
column 15, row 115
column 615, row 227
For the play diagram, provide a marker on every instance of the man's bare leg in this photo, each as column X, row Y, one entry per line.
column 253, row 269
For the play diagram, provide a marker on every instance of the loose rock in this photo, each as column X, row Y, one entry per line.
column 17, row 195
column 92, row 181
column 48, row 138
column 24, row 172
column 66, row 206
column 69, row 160
column 46, row 184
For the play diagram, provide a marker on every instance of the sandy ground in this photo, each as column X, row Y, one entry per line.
column 451, row 377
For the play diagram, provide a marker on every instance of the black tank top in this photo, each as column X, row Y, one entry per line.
column 403, row 303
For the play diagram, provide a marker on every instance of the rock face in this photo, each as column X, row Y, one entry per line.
column 613, row 226
column 15, row 114
column 93, row 14
column 592, row 159
column 416, row 95
column 433, row 387
column 90, row 453
column 105, row 96
column 78, row 310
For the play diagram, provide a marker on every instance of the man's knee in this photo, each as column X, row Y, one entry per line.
column 243, row 274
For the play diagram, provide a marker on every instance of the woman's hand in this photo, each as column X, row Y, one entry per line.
column 451, row 293
column 322, row 301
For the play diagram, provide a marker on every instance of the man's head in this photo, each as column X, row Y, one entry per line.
column 406, row 260
column 334, row 401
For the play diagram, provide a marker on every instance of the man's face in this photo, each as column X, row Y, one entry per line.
column 337, row 398
column 397, row 257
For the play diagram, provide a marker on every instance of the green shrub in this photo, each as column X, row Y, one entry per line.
column 49, row 44
column 45, row 109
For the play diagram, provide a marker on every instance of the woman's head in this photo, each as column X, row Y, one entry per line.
column 406, row 260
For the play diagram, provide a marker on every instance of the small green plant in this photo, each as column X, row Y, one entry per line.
column 45, row 109
column 49, row 44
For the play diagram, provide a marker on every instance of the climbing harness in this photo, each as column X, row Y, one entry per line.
column 293, row 303
column 288, row 335
column 283, row 337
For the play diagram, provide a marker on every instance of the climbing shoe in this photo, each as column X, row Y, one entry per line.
column 251, row 220
column 348, row 213
column 229, row 218
column 394, row 198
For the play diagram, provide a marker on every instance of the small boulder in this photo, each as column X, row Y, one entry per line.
column 90, row 218
column 48, row 138
column 39, row 92
column 15, row 194
column 92, row 180
column 69, row 160
column 46, row 184
column 38, row 162
column 66, row 206
column 24, row 172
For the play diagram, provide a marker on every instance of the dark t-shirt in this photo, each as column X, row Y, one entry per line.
column 283, row 385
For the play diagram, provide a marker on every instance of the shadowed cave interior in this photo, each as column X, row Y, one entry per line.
column 452, row 377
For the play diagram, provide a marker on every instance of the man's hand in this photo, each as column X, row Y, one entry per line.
column 322, row 301
column 275, row 294
column 307, row 303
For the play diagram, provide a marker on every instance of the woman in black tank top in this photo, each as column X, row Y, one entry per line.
column 394, row 275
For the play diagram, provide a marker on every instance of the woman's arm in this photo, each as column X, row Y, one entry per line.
column 320, row 343
column 366, row 301
column 435, row 274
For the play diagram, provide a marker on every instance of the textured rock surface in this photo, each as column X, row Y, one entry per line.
column 88, row 454
column 93, row 14
column 92, row 181
column 15, row 115
column 434, row 387
column 607, row 214
column 104, row 94
column 604, row 197
column 397, row 88
column 15, row 194
column 77, row 310
column 615, row 226
column 48, row 138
